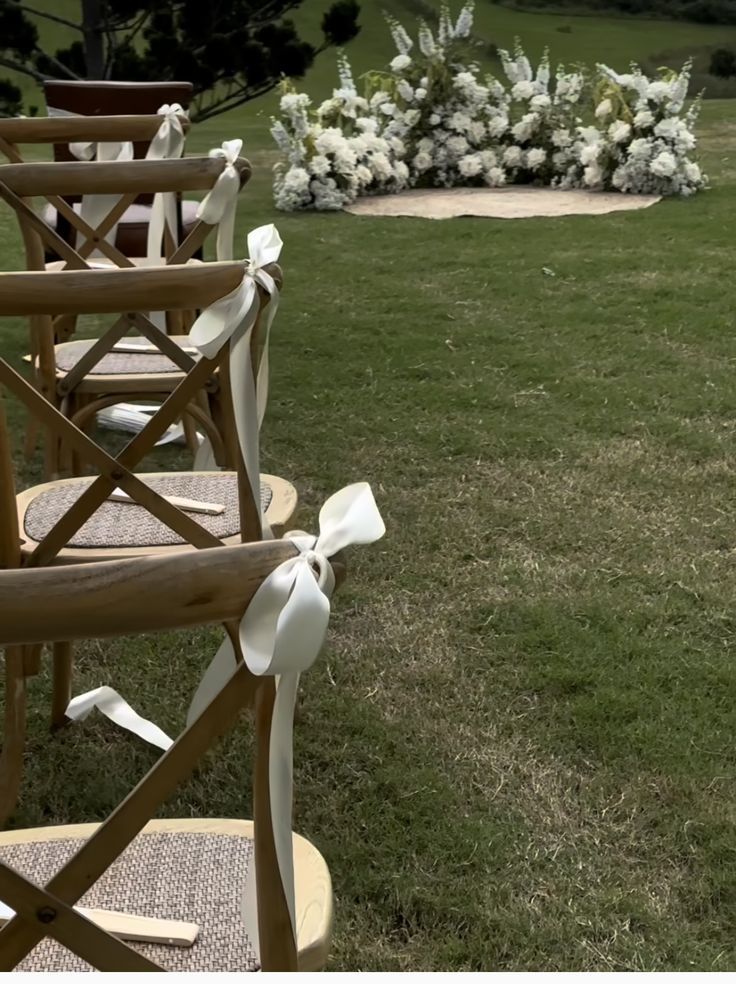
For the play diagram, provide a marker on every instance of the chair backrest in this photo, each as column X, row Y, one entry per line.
column 125, row 179
column 65, row 130
column 145, row 595
column 129, row 291
column 94, row 98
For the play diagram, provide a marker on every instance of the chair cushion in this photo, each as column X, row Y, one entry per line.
column 132, row 231
column 114, row 363
column 194, row 877
column 126, row 524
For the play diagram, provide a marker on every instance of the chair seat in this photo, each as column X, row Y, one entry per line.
column 189, row 870
column 133, row 227
column 162, row 372
column 125, row 529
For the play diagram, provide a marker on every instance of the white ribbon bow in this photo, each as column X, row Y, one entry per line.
column 94, row 208
column 281, row 635
column 218, row 207
column 233, row 317
column 167, row 144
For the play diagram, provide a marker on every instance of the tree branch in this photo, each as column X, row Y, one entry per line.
column 60, row 66
column 45, row 15
column 20, row 67
column 231, row 102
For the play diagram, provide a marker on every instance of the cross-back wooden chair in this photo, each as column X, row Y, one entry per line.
column 75, row 520
column 89, row 132
column 161, row 885
column 79, row 374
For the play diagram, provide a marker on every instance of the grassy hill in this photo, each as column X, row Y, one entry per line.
column 570, row 38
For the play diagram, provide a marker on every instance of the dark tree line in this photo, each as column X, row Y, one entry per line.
column 231, row 50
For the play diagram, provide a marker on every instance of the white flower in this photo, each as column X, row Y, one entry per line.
column 367, row 124
column 320, row 166
column 363, row 175
column 498, row 126
column 464, row 23
column 592, row 175
column 535, row 158
column 522, row 90
column 411, row 116
column 388, row 108
column 525, row 127
column 470, row 165
column 405, row 91
column 460, row 122
column 512, row 156
column 640, row 149
column 294, row 102
column 693, row 173
column 297, row 179
column 495, row 177
column 541, row 101
column 561, row 138
column 619, row 131
column 435, row 119
column 422, row 161
column 664, row 165
column 381, row 166
column 399, row 63
column 589, row 153
column 458, row 145
column 643, row 118
column 425, row 145
column 659, row 91
column 420, row 93
column 667, row 128
column 604, row 109
column 477, row 130
column 488, row 159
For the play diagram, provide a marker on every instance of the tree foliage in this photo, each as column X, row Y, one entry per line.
column 231, row 50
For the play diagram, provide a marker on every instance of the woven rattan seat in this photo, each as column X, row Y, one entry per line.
column 189, row 876
column 114, row 363
column 124, row 524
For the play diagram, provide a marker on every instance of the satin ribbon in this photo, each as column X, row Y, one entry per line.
column 94, row 208
column 219, row 205
column 167, row 144
column 233, row 317
column 118, row 710
column 281, row 635
column 230, row 318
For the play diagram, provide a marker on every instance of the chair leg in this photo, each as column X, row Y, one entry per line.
column 14, row 731
column 63, row 665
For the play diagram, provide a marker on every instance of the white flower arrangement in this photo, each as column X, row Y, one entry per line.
column 433, row 120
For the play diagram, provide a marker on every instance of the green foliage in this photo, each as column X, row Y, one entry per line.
column 723, row 63
column 231, row 50
column 699, row 11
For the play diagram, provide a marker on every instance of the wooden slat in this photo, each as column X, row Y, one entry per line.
column 69, row 927
column 82, row 129
column 147, row 594
column 111, row 291
column 115, row 177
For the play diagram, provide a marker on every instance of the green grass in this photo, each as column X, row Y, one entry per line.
column 517, row 751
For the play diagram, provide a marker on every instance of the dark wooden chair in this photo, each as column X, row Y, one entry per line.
column 93, row 98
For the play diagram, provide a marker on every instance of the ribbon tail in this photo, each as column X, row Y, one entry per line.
column 245, row 409
column 118, row 710
column 215, row 677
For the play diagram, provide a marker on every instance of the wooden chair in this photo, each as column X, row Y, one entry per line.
column 74, row 520
column 162, row 868
column 84, row 376
column 93, row 98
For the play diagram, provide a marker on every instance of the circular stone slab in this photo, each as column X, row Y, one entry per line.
column 498, row 203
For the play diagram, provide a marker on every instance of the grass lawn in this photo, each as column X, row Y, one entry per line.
column 517, row 751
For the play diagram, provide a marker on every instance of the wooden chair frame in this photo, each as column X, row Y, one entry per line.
column 106, row 291
column 15, row 132
column 127, row 179
column 147, row 595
